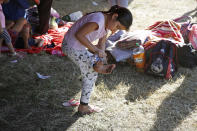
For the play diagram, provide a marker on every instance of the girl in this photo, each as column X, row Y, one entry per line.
column 88, row 57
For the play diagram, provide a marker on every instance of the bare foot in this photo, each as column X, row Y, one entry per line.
column 104, row 69
column 87, row 110
column 83, row 108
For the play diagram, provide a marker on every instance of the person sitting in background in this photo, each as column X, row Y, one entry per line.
column 21, row 43
column 4, row 35
column 14, row 12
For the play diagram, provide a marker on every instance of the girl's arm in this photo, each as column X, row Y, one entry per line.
column 9, row 24
column 101, row 43
column 81, row 36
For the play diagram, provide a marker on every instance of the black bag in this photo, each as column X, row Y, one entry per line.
column 187, row 56
column 161, row 59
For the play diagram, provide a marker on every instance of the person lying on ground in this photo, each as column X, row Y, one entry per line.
column 14, row 12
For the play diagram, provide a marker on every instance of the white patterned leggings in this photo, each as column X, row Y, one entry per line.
column 84, row 60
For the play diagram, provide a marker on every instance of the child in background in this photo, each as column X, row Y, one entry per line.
column 14, row 12
column 21, row 44
column 4, row 35
column 77, row 45
column 28, row 41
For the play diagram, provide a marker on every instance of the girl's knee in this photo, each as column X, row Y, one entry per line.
column 26, row 28
column 9, row 24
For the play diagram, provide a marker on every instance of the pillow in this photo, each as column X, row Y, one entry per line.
column 129, row 40
column 119, row 54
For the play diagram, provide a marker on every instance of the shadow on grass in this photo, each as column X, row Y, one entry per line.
column 29, row 103
column 141, row 85
column 176, row 107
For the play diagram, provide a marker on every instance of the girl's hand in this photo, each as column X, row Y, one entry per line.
column 101, row 53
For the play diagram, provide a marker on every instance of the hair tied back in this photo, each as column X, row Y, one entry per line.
column 114, row 8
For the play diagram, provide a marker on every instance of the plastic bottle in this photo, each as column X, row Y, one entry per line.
column 52, row 23
column 73, row 16
column 76, row 15
column 139, row 57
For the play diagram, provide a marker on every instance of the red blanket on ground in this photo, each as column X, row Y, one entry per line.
column 54, row 36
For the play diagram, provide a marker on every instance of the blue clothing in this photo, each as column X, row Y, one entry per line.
column 20, row 43
column 15, row 9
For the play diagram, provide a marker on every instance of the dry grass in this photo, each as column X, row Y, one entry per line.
column 131, row 100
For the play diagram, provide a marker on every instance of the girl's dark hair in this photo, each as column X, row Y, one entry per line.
column 124, row 15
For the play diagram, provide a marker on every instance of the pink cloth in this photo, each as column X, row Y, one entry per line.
column 193, row 36
column 98, row 18
column 2, row 17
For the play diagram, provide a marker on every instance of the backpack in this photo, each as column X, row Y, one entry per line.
column 187, row 56
column 161, row 59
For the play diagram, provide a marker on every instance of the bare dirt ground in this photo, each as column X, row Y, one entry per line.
column 132, row 101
